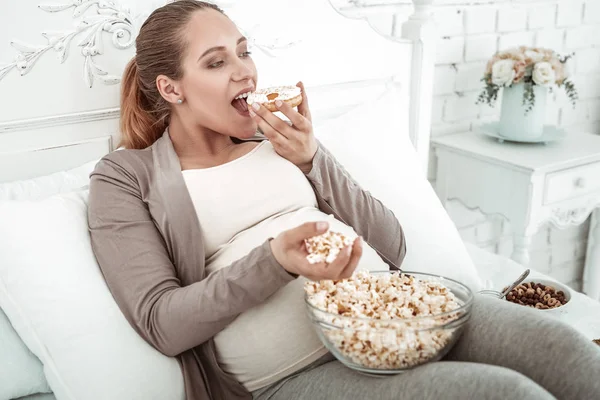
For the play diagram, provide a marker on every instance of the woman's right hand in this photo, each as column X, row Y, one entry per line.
column 290, row 251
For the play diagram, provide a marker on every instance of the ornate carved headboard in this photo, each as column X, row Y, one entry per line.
column 61, row 63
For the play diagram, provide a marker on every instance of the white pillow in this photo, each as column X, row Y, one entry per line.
column 372, row 143
column 48, row 185
column 53, row 292
column 21, row 372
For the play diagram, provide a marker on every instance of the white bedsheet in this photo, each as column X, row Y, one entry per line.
column 497, row 272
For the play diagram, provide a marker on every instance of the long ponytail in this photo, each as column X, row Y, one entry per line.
column 160, row 46
column 140, row 127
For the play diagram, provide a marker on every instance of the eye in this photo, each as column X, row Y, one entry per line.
column 215, row 64
column 245, row 54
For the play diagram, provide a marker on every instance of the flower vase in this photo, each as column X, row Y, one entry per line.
column 515, row 122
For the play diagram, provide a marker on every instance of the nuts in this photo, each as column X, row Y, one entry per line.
column 537, row 295
column 381, row 332
column 325, row 247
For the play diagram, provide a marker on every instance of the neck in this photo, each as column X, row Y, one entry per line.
column 192, row 141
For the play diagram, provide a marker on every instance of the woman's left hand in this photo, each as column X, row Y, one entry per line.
column 295, row 143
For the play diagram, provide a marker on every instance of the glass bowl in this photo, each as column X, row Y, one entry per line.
column 391, row 346
column 490, row 293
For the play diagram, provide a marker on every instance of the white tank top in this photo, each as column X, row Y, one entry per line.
column 239, row 205
column 253, row 189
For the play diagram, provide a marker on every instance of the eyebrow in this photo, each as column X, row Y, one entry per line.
column 221, row 48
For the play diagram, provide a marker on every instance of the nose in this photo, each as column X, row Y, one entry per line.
column 242, row 71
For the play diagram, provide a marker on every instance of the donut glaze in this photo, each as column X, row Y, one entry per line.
column 267, row 96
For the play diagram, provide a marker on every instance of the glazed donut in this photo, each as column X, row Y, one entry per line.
column 292, row 95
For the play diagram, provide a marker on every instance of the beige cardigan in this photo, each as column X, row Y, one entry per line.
column 148, row 243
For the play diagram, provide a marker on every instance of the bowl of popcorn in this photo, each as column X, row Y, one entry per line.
column 386, row 322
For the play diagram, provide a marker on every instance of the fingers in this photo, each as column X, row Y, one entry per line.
column 303, row 107
column 266, row 116
column 354, row 259
column 299, row 121
column 341, row 268
column 307, row 230
column 271, row 134
column 344, row 264
column 336, row 267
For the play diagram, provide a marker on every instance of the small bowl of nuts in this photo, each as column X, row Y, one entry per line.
column 541, row 294
column 386, row 322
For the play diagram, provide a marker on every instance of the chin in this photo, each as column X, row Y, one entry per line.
column 247, row 130
column 244, row 133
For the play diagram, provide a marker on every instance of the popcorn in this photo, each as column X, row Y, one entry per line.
column 326, row 247
column 391, row 336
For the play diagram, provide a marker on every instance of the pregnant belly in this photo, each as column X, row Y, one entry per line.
column 275, row 338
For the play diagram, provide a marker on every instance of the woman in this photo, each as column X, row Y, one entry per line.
column 198, row 227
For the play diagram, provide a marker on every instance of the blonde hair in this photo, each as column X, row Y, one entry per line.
column 160, row 47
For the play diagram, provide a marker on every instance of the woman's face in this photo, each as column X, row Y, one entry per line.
column 216, row 68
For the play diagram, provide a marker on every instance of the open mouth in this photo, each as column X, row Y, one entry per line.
column 240, row 104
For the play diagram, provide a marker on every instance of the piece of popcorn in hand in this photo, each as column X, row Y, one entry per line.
column 326, row 247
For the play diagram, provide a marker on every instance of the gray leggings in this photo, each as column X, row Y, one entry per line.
column 507, row 351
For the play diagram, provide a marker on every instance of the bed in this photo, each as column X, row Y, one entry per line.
column 368, row 74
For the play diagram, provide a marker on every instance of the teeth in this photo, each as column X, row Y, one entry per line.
column 243, row 95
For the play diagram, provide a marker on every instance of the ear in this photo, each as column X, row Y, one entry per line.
column 168, row 89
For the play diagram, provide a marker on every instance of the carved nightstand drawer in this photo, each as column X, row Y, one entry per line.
column 572, row 182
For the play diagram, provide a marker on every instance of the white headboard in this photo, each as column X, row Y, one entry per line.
column 59, row 92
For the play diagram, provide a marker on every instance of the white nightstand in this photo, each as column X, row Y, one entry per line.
column 528, row 184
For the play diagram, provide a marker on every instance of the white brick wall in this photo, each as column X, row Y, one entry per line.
column 542, row 17
column 550, row 38
column 469, row 35
column 479, row 47
column 592, row 87
column 450, row 50
column 588, row 61
column 468, row 76
column 460, row 107
column 569, row 13
column 437, row 110
column 592, row 12
column 449, row 21
column 516, row 39
column 512, row 19
column 444, row 79
column 594, row 110
column 480, row 19
column 580, row 37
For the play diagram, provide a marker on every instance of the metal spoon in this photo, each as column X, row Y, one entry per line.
column 515, row 283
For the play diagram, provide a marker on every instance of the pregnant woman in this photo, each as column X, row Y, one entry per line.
column 198, row 227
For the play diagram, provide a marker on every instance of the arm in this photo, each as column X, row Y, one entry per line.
column 134, row 260
column 340, row 195
column 337, row 193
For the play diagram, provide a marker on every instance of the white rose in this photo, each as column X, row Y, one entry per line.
column 503, row 72
column 543, row 74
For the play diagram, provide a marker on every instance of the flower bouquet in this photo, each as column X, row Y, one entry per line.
column 526, row 74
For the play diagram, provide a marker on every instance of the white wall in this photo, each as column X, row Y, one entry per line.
column 470, row 34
